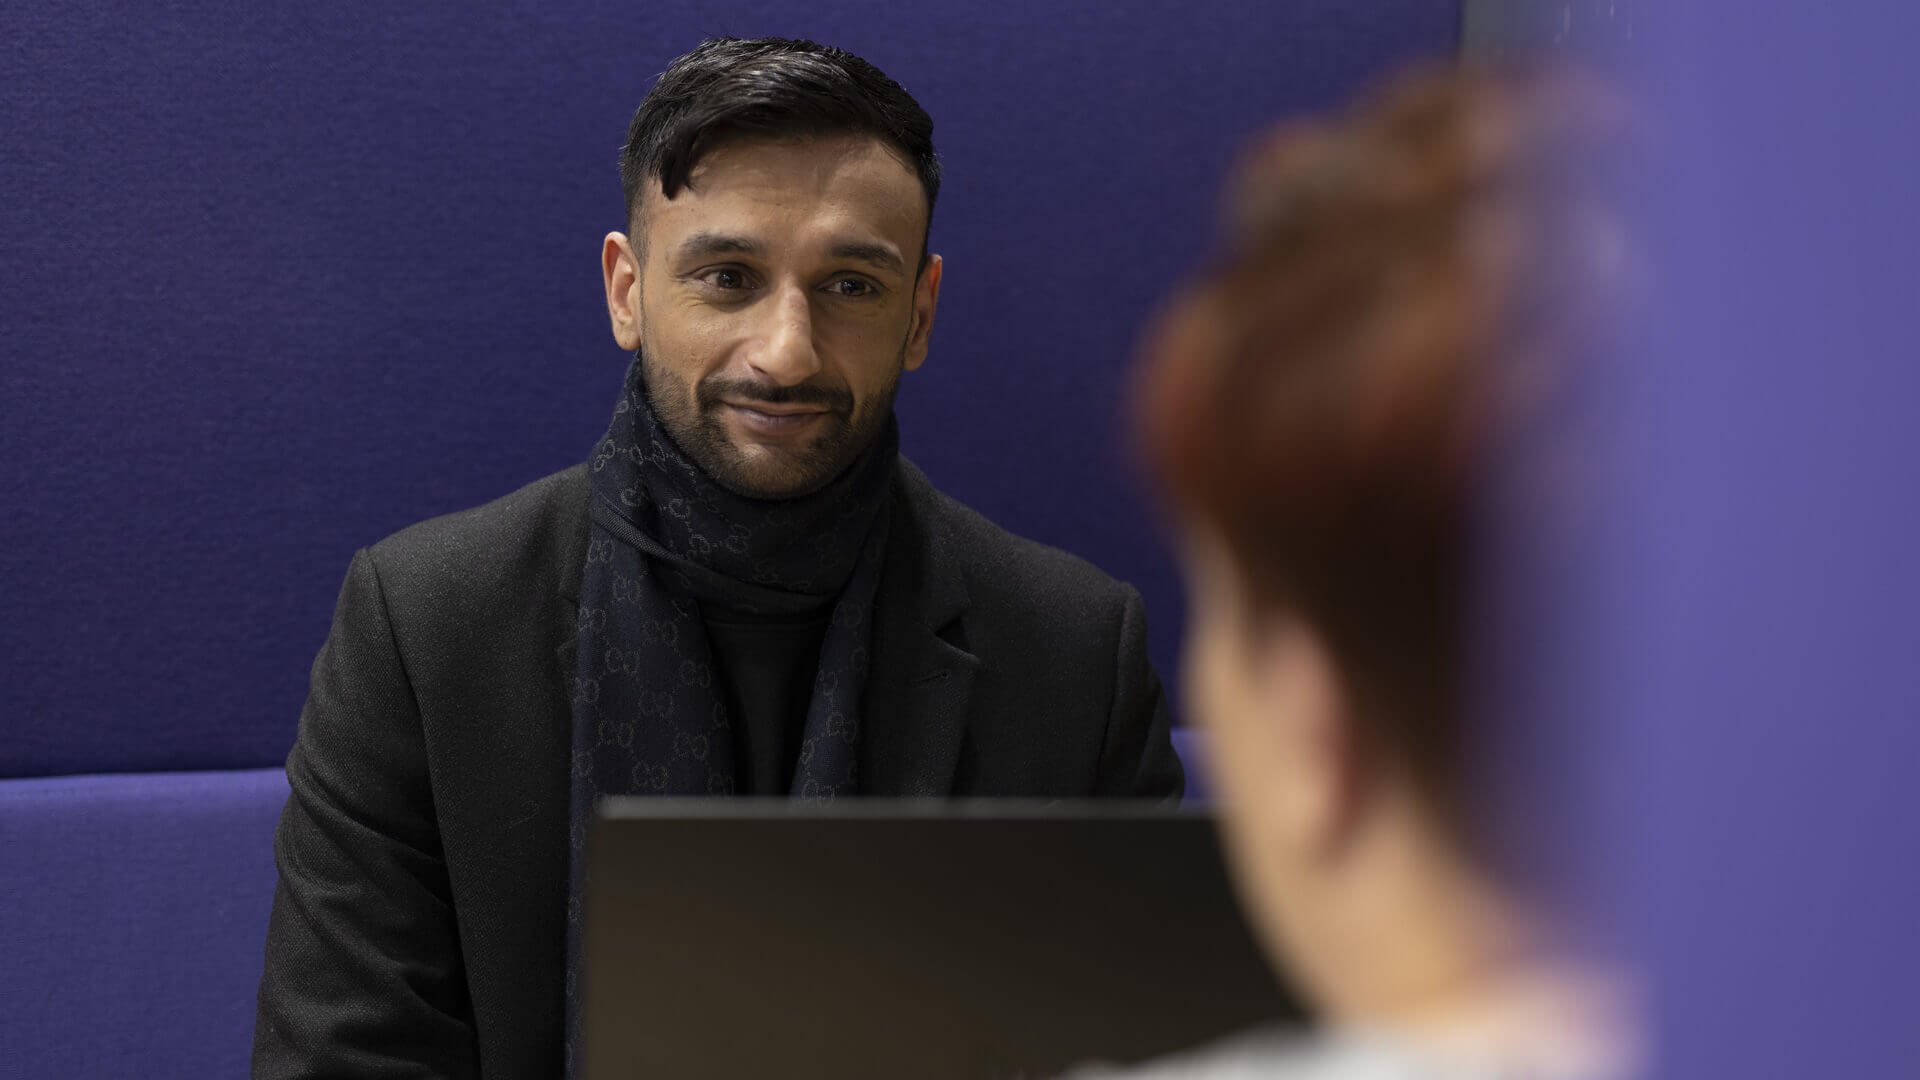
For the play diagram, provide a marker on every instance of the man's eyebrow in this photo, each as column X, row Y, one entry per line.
column 880, row 255
column 700, row 245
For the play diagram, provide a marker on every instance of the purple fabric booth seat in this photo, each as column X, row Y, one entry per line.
column 1190, row 744
column 133, row 910
column 133, row 914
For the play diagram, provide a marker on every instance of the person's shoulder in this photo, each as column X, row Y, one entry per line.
column 525, row 539
column 1002, row 567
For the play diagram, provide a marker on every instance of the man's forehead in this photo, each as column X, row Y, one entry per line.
column 844, row 185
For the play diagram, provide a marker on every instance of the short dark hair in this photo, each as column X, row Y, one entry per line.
column 772, row 87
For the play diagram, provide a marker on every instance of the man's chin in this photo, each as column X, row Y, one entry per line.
column 761, row 472
column 777, row 466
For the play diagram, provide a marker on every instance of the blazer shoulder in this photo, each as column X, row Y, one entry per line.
column 1004, row 570
column 533, row 538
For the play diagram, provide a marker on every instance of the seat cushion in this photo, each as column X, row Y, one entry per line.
column 133, row 912
column 1190, row 744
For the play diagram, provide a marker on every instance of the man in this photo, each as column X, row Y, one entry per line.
column 1405, row 293
column 745, row 590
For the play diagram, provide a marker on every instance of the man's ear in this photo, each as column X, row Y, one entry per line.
column 926, row 297
column 1324, row 784
column 620, row 270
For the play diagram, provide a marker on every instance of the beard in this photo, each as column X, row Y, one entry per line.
column 694, row 417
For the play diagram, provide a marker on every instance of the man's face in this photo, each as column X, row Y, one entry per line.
column 774, row 303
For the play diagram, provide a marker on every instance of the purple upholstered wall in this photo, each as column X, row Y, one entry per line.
column 1764, row 625
column 281, row 279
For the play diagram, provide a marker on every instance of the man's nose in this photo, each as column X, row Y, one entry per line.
column 786, row 354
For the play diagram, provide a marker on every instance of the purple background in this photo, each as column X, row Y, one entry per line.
column 284, row 279
column 1759, row 640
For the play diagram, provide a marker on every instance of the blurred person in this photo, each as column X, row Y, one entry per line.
column 1404, row 286
column 746, row 590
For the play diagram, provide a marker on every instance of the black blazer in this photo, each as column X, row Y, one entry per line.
column 419, row 927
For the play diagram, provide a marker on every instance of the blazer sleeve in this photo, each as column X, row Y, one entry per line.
column 363, row 975
column 1137, row 759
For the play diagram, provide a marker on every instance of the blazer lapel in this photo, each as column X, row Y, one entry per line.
column 575, row 536
column 914, row 713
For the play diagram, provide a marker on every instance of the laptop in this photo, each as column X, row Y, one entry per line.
column 864, row 938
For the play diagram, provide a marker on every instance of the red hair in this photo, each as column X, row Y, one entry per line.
column 1320, row 403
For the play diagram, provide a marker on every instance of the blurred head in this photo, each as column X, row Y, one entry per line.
column 1317, row 408
column 774, row 280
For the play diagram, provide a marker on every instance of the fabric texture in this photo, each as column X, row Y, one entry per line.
column 419, row 924
column 131, row 913
column 666, row 542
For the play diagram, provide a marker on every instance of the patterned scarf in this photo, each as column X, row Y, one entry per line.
column 665, row 540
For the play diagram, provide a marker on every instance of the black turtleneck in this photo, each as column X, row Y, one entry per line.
column 764, row 665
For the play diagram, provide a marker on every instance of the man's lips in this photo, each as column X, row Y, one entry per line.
column 762, row 419
column 766, row 409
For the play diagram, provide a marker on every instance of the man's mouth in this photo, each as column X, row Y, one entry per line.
column 769, row 409
column 773, row 419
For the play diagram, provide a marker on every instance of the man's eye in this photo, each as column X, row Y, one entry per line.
column 726, row 279
column 852, row 287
